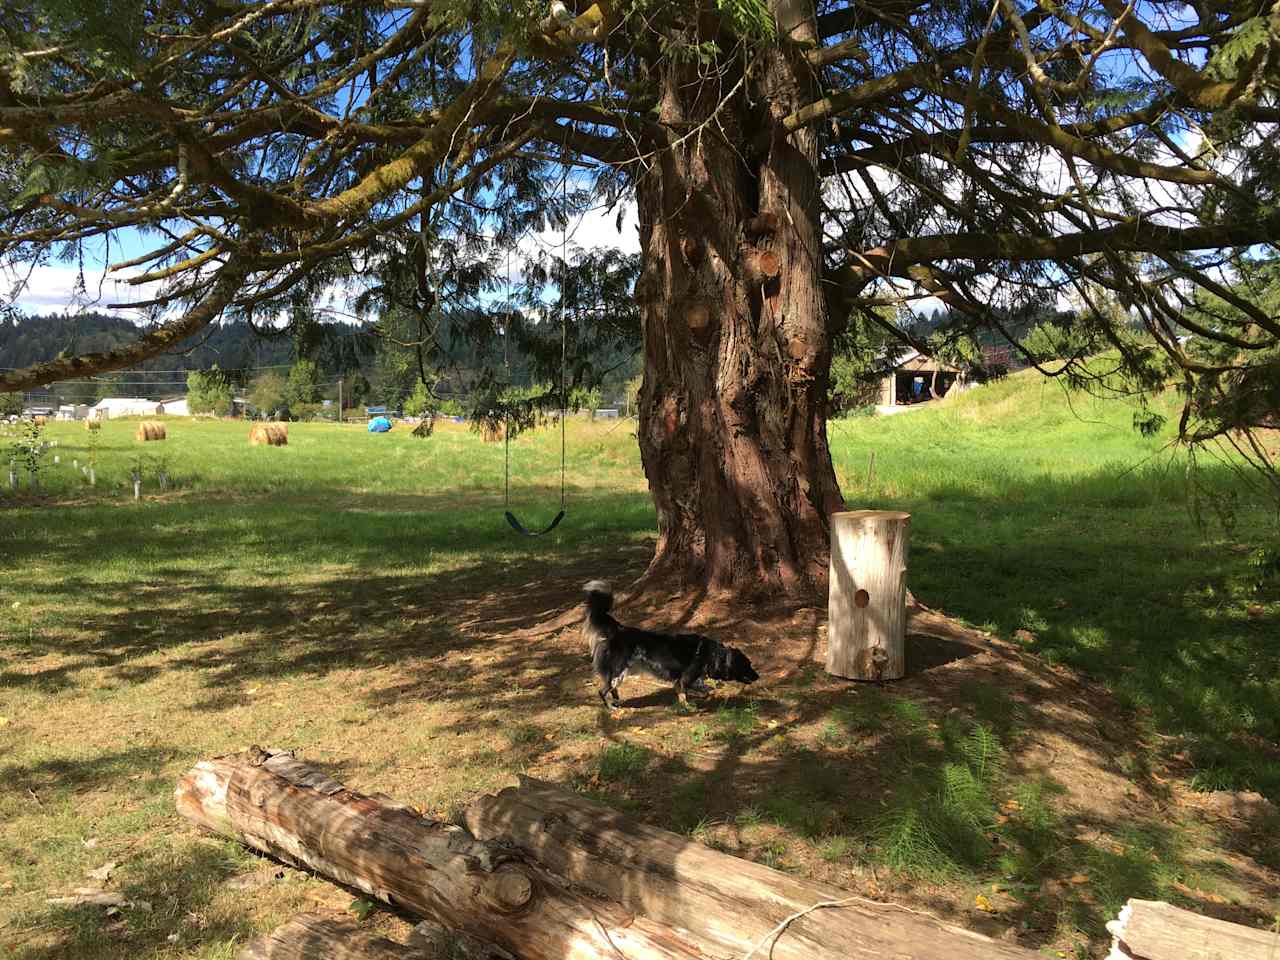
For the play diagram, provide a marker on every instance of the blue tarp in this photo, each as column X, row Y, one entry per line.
column 379, row 425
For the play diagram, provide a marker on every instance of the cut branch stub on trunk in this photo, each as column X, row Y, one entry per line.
column 867, row 605
column 762, row 266
column 275, row 804
column 729, row 906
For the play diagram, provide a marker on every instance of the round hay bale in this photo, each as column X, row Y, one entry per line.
column 150, row 430
column 93, row 426
column 269, row 434
column 40, row 421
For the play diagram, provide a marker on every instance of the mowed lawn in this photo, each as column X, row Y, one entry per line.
column 361, row 599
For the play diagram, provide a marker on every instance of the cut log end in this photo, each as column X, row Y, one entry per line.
column 867, row 605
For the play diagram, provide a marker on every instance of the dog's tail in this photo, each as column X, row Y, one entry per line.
column 599, row 596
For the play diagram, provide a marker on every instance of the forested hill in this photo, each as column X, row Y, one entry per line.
column 231, row 345
column 376, row 369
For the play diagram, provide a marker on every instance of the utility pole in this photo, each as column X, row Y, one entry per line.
column 339, row 399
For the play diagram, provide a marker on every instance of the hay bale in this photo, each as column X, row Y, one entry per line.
column 40, row 421
column 493, row 432
column 425, row 427
column 150, row 430
column 270, row 434
column 93, row 425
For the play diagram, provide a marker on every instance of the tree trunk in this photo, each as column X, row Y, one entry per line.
column 1153, row 930
column 736, row 335
column 729, row 906
column 867, row 609
column 281, row 807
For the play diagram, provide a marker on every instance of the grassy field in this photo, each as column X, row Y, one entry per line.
column 361, row 599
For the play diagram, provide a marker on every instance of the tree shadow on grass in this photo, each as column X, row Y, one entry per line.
column 179, row 889
column 97, row 772
column 492, row 626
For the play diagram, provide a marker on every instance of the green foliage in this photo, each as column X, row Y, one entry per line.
column 1243, row 44
column 750, row 18
column 208, row 392
column 303, row 385
column 267, row 392
column 29, row 448
column 861, row 356
column 582, row 398
column 937, row 825
column 420, row 401
column 10, row 403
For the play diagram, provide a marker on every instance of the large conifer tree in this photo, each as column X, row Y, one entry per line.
column 793, row 167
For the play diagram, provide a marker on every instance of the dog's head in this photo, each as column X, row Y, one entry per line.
column 730, row 663
column 599, row 596
column 740, row 668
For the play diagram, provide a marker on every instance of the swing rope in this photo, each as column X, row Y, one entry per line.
column 516, row 525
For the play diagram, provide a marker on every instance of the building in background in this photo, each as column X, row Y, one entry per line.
column 124, row 407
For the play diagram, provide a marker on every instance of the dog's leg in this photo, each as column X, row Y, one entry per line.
column 680, row 694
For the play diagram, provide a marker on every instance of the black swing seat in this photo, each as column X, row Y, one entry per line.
column 519, row 527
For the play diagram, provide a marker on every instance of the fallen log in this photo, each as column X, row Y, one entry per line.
column 275, row 804
column 1154, row 930
column 315, row 936
column 731, row 906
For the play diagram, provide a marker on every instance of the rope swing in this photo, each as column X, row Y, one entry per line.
column 516, row 525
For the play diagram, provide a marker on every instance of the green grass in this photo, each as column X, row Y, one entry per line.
column 360, row 597
column 1037, row 511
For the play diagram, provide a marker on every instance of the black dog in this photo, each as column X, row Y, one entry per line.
column 685, row 659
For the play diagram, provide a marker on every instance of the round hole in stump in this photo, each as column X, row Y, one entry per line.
column 861, row 598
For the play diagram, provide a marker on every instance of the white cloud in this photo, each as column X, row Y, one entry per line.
column 64, row 288
column 596, row 228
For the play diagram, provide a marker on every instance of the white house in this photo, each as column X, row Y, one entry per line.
column 73, row 411
column 123, row 407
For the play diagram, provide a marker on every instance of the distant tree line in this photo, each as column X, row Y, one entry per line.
column 295, row 371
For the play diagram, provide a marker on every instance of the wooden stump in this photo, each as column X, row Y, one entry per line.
column 867, row 605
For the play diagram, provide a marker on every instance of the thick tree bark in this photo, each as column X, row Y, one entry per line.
column 548, row 875
column 736, row 337
column 729, row 906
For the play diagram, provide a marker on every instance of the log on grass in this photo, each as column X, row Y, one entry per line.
column 867, row 605
column 731, row 906
column 1154, row 930
column 315, row 936
column 280, row 806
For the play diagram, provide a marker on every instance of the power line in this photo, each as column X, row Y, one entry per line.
column 268, row 366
